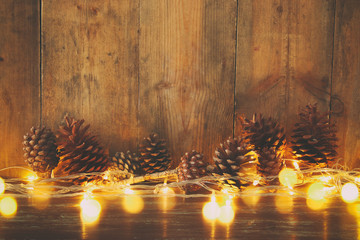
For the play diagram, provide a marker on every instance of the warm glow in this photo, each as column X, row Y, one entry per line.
column 251, row 196
column 40, row 198
column 316, row 191
column 133, row 203
column 8, row 206
column 2, row 185
column 316, row 204
column 256, row 182
column 226, row 213
column 349, row 192
column 284, row 204
column 90, row 210
column 325, row 179
column 296, row 165
column 211, row 210
column 166, row 190
column 31, row 177
column 128, row 190
column 288, row 177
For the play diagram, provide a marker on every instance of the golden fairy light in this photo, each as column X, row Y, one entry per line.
column 132, row 203
column 227, row 213
column 288, row 177
column 211, row 210
column 166, row 200
column 8, row 206
column 90, row 209
column 316, row 191
column 2, row 185
column 349, row 192
column 31, row 177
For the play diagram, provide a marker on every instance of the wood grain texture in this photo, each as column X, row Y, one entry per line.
column 19, row 77
column 346, row 80
column 284, row 57
column 262, row 59
column 90, row 67
column 187, row 52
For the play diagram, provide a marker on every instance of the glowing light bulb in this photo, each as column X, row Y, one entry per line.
column 325, row 179
column 133, row 203
column 2, row 185
column 349, row 192
column 167, row 191
column 316, row 191
column 211, row 210
column 90, row 210
column 31, row 177
column 256, row 182
column 8, row 206
column 227, row 213
column 288, row 177
column 128, row 190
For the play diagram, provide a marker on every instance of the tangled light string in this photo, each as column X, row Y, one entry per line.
column 333, row 180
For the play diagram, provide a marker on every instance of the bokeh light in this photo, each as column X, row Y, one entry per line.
column 211, row 210
column 8, row 206
column 349, row 192
column 316, row 204
column 227, row 213
column 288, row 177
column 316, row 191
column 133, row 203
column 90, row 210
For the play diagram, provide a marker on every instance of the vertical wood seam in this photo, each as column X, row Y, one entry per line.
column 138, row 78
column 332, row 61
column 288, row 69
column 235, row 66
column 40, row 9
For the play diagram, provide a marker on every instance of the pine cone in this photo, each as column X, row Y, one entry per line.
column 270, row 163
column 230, row 156
column 191, row 167
column 154, row 155
column 125, row 162
column 264, row 133
column 314, row 138
column 79, row 151
column 40, row 150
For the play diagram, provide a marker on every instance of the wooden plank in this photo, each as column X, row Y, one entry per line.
column 90, row 67
column 346, row 80
column 262, row 59
column 284, row 57
column 187, row 73
column 310, row 56
column 19, row 77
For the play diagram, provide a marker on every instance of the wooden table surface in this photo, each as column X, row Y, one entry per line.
column 268, row 219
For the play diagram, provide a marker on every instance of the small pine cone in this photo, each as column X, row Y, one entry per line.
column 154, row 155
column 191, row 167
column 270, row 163
column 79, row 151
column 126, row 162
column 314, row 138
column 230, row 157
column 40, row 150
column 264, row 132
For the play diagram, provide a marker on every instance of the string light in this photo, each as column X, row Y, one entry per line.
column 8, row 206
column 211, row 210
column 288, row 177
column 226, row 213
column 316, row 191
column 349, row 192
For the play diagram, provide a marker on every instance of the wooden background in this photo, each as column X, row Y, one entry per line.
column 181, row 68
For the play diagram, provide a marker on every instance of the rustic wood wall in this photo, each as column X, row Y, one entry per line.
column 182, row 68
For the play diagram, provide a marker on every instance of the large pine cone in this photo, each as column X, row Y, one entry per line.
column 79, row 151
column 40, row 150
column 230, row 157
column 126, row 162
column 191, row 167
column 270, row 163
column 314, row 138
column 154, row 155
column 264, row 132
